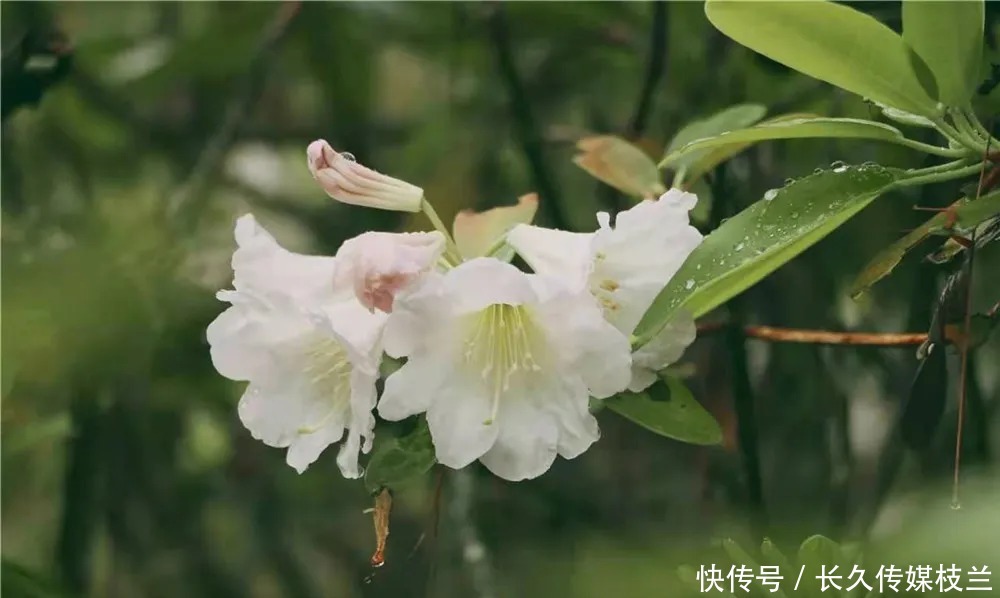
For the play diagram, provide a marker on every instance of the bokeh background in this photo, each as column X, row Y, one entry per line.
column 134, row 134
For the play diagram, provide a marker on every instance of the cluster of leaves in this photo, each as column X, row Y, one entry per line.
column 925, row 78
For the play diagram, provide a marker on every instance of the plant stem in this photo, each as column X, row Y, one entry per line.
column 958, row 136
column 970, row 116
column 935, row 150
column 822, row 337
column 451, row 250
column 937, row 174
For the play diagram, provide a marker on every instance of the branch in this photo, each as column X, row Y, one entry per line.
column 654, row 69
column 212, row 155
column 821, row 337
column 524, row 121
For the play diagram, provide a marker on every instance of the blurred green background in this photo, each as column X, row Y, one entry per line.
column 125, row 471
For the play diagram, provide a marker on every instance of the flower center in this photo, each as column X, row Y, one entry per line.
column 327, row 371
column 502, row 342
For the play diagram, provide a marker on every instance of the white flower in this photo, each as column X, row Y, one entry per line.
column 624, row 268
column 379, row 265
column 345, row 180
column 503, row 363
column 310, row 351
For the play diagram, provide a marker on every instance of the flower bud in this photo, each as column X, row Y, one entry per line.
column 343, row 179
column 379, row 265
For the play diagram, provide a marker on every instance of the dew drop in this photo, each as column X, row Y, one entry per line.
column 689, row 284
column 841, row 168
column 789, row 181
column 348, row 156
column 795, row 214
column 740, row 246
column 770, row 194
column 818, row 171
column 838, row 164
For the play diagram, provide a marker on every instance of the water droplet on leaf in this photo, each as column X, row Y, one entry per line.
column 770, row 194
column 689, row 284
column 348, row 156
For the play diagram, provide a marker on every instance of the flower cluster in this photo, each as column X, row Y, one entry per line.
column 501, row 362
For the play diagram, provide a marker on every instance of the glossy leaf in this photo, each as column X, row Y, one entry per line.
column 667, row 408
column 948, row 35
column 797, row 128
column 963, row 214
column 397, row 461
column 763, row 237
column 619, row 164
column 710, row 158
column 734, row 117
column 830, row 42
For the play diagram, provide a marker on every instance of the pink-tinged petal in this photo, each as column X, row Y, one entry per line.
column 343, row 179
column 378, row 266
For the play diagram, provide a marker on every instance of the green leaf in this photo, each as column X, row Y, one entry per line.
column 830, row 42
column 971, row 214
column 397, row 461
column 667, row 408
column 758, row 240
column 619, row 164
column 734, row 117
column 797, row 128
column 948, row 36
column 967, row 215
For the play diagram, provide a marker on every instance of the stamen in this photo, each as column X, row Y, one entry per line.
column 327, row 370
column 499, row 345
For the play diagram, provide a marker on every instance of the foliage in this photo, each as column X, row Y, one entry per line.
column 124, row 467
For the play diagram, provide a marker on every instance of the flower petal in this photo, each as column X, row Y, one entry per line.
column 362, row 428
column 527, row 442
column 379, row 265
column 637, row 258
column 266, row 270
column 288, row 416
column 594, row 349
column 662, row 350
column 481, row 282
column 411, row 389
column 345, row 180
column 457, row 420
column 560, row 254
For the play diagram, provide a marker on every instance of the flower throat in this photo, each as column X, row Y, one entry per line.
column 500, row 342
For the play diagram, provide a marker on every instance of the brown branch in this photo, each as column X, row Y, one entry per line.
column 821, row 337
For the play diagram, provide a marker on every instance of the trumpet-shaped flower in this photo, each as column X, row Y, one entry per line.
column 343, row 179
column 624, row 267
column 379, row 265
column 503, row 363
column 309, row 350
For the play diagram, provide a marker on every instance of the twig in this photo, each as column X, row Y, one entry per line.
column 654, row 73
column 212, row 155
column 654, row 69
column 525, row 126
column 967, row 337
column 821, row 337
